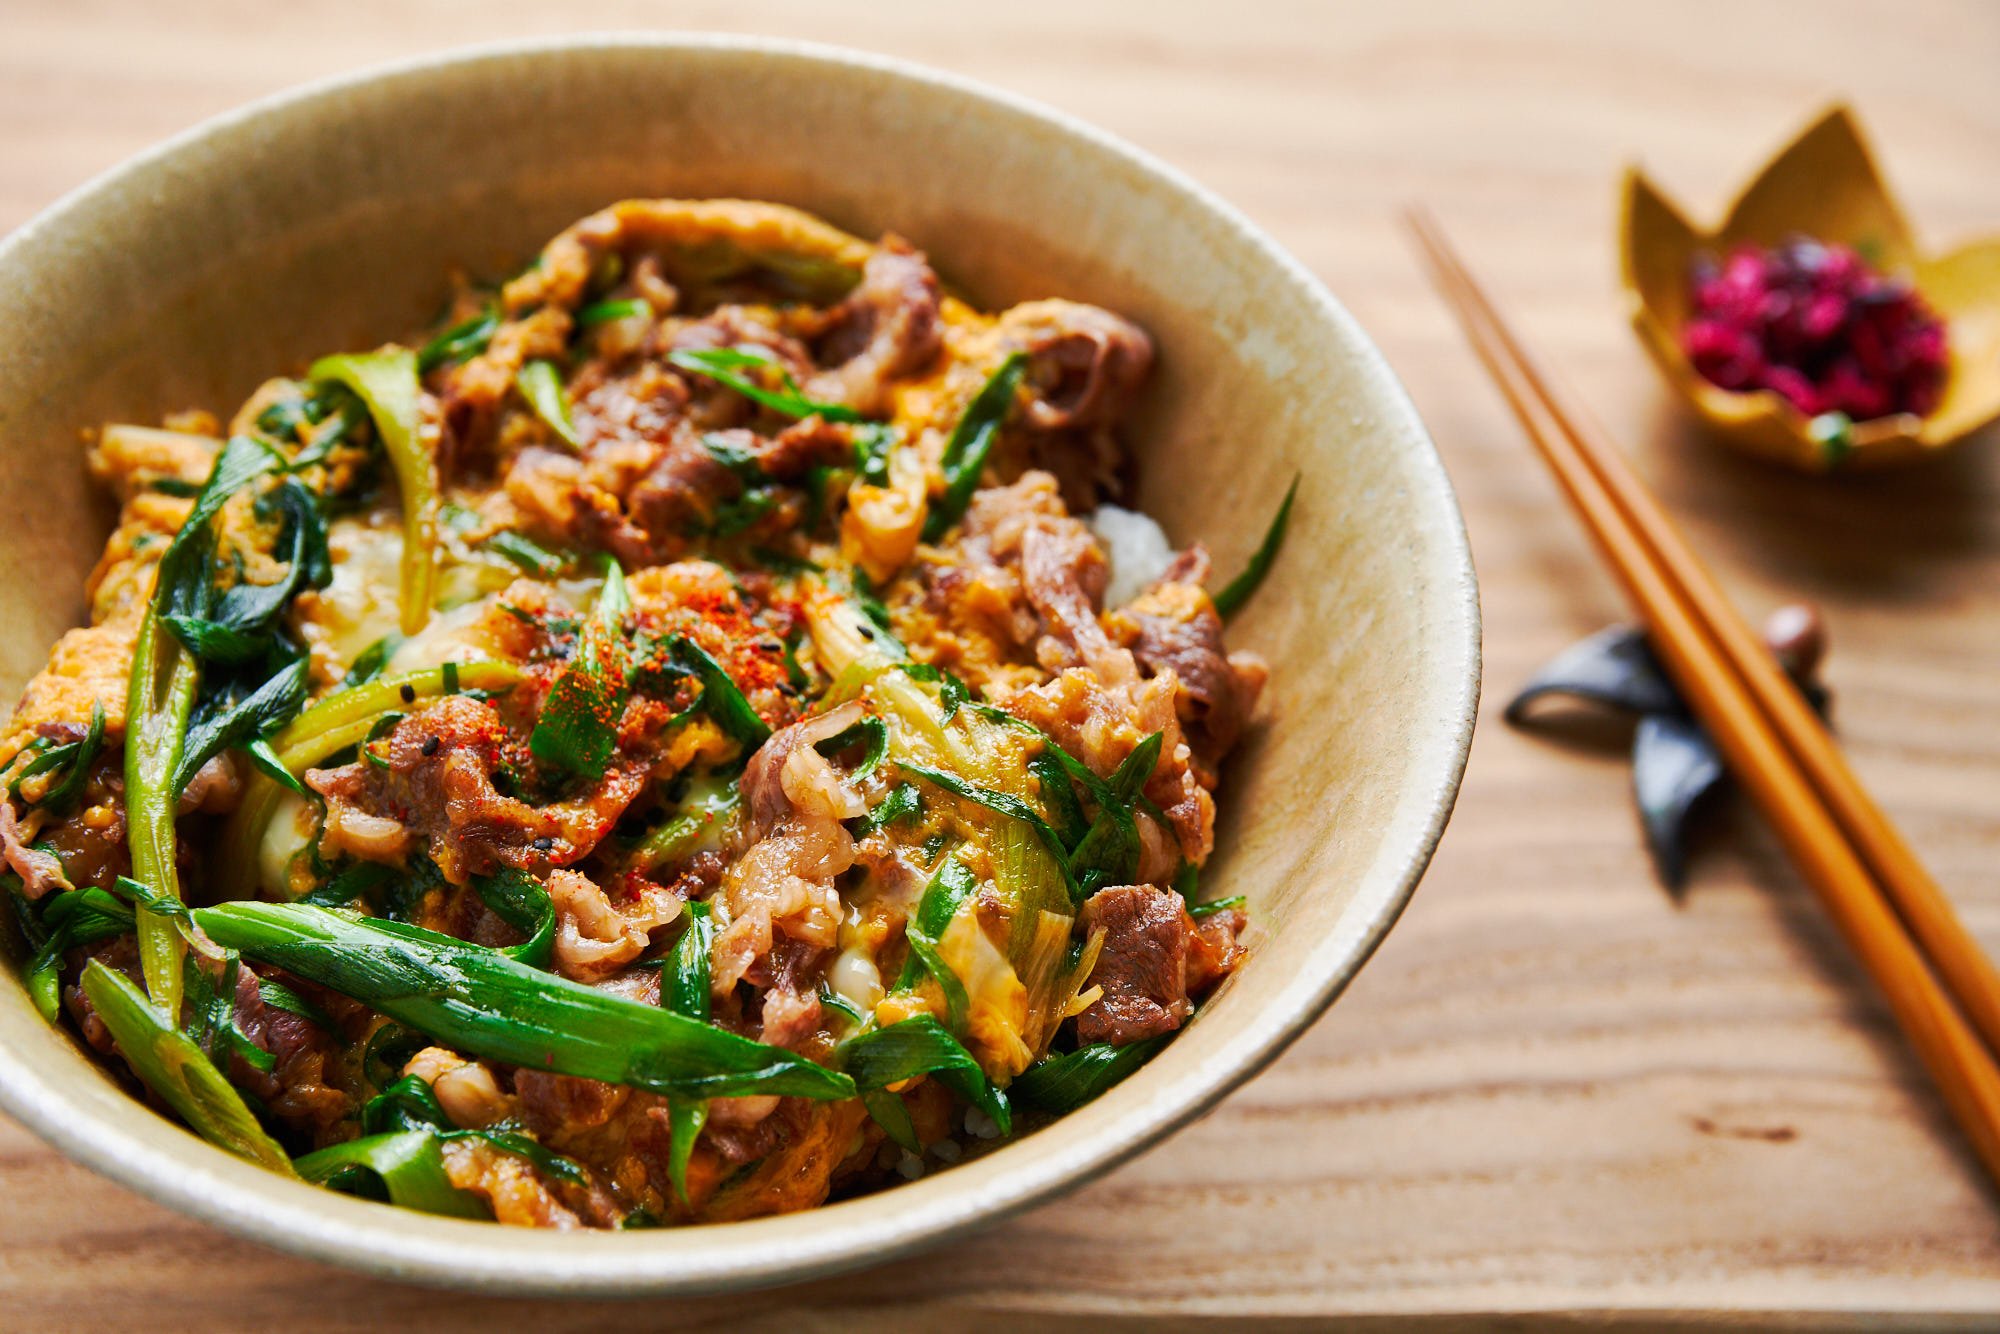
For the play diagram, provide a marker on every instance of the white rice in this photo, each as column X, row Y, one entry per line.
column 1138, row 548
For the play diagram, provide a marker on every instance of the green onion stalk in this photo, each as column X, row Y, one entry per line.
column 483, row 1003
column 160, row 699
column 387, row 384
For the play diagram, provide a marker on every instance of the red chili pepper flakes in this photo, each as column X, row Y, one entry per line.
column 1816, row 324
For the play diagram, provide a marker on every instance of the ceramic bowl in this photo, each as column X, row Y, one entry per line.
column 1823, row 184
column 327, row 218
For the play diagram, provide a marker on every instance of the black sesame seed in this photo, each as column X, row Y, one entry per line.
column 431, row 746
column 409, row 693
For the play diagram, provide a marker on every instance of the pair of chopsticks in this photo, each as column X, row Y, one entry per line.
column 1940, row 985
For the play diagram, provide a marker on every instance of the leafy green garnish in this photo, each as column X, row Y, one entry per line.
column 159, row 701
column 221, row 722
column 411, row 1104
column 918, row 1046
column 874, row 443
column 904, row 802
column 519, row 900
column 1238, row 590
column 234, row 625
column 577, row 731
column 1109, row 853
column 603, row 312
column 74, row 758
column 971, row 442
column 870, row 733
column 1003, row 803
column 278, row 996
column 387, row 383
column 541, row 384
column 1063, row 1083
column 403, row 1166
column 460, row 342
column 948, row 894
column 211, row 1015
column 63, row 921
column 479, row 1001
column 726, row 365
column 368, row 664
column 684, row 989
column 706, row 803
column 721, row 698
column 530, row 556
column 1214, row 906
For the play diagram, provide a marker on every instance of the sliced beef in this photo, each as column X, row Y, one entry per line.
column 40, row 872
column 1154, row 958
column 886, row 328
column 1142, row 967
column 788, row 977
column 1173, row 626
column 1084, row 363
column 437, row 786
column 783, row 886
column 301, row 1089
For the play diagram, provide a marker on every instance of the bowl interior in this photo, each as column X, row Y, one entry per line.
column 328, row 219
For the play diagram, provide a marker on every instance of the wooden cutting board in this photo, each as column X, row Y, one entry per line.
column 1554, row 1090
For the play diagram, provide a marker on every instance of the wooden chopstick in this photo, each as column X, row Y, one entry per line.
column 1839, row 839
column 1967, row 970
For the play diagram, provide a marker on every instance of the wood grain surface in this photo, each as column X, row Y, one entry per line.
column 1554, row 1090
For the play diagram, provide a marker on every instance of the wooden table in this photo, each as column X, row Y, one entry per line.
column 1554, row 1089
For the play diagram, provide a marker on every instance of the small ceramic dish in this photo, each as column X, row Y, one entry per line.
column 1824, row 185
column 329, row 217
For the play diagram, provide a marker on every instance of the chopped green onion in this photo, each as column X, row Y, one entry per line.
column 342, row 719
column 160, row 699
column 406, row 1163
column 1109, row 853
column 918, row 1046
column 170, row 1064
column 603, row 312
column 386, row 382
column 871, row 732
column 1066, row 1082
column 411, row 1104
column 675, row 840
column 220, row 725
column 368, row 664
column 725, row 365
column 874, row 443
column 577, row 731
column 1003, row 803
column 1214, row 906
column 903, row 802
column 541, row 384
column 64, row 792
column 460, row 342
column 519, row 900
column 721, row 698
column 74, row 917
column 1238, row 590
column 481, row 1002
column 278, row 996
column 530, row 556
column 948, row 894
column 684, row 989
column 971, row 442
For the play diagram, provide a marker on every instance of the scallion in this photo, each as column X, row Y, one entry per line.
column 541, row 384
column 481, row 1002
column 1238, row 590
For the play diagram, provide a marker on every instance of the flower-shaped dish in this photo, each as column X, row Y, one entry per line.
column 1824, row 185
